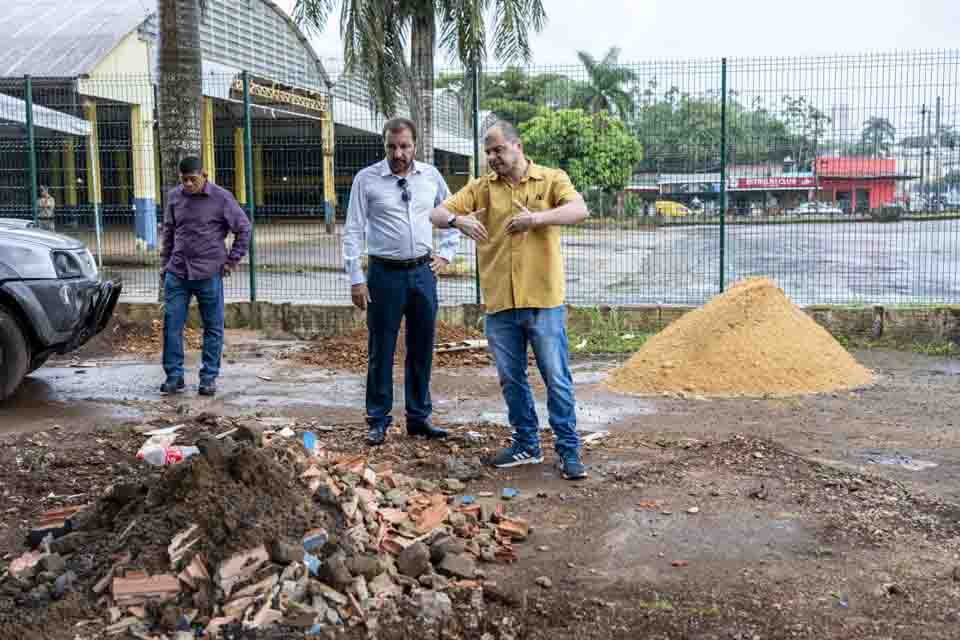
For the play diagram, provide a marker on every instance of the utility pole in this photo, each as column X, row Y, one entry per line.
column 923, row 146
column 939, row 175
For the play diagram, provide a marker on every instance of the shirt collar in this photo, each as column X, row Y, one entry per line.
column 534, row 172
column 385, row 168
column 205, row 191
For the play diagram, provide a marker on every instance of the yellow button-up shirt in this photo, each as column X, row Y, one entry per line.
column 524, row 270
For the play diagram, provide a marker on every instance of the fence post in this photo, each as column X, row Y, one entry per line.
column 476, row 165
column 248, row 170
column 723, row 170
column 31, row 146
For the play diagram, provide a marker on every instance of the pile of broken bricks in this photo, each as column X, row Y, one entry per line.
column 397, row 538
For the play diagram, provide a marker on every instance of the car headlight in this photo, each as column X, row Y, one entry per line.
column 66, row 265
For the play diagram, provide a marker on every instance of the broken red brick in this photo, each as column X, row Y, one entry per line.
column 139, row 590
column 514, row 528
column 431, row 518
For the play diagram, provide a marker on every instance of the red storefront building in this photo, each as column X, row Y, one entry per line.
column 858, row 184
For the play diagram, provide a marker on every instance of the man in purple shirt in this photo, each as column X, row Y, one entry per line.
column 196, row 220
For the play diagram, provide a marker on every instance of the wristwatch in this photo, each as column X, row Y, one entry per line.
column 452, row 221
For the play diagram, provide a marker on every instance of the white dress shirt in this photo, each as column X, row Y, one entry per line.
column 392, row 228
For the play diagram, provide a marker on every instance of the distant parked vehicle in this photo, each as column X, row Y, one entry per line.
column 671, row 209
column 815, row 209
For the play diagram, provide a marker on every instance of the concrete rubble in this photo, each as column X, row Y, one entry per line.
column 398, row 542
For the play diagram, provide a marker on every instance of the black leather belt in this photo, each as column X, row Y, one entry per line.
column 402, row 264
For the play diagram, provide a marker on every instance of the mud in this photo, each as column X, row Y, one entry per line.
column 801, row 542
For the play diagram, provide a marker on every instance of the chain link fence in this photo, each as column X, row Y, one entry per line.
column 838, row 177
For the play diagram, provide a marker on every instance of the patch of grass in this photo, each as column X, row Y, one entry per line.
column 604, row 332
column 938, row 349
column 655, row 605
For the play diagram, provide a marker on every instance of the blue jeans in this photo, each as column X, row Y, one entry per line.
column 508, row 333
column 176, row 300
column 398, row 294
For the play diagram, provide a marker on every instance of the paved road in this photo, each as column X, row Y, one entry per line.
column 897, row 263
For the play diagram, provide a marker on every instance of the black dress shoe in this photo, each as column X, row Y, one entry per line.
column 208, row 389
column 171, row 387
column 377, row 435
column 425, row 430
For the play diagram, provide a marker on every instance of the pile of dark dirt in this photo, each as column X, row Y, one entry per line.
column 348, row 351
column 258, row 532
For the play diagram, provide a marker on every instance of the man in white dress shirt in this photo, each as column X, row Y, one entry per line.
column 390, row 204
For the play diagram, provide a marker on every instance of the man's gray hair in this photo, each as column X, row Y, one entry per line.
column 396, row 125
column 509, row 132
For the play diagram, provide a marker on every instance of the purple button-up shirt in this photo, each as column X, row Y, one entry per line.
column 195, row 229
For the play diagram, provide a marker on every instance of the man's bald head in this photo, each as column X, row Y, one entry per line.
column 504, row 150
column 505, row 129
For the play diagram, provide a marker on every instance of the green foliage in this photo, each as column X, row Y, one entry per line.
column 604, row 91
column 597, row 151
column 680, row 132
column 876, row 139
column 513, row 94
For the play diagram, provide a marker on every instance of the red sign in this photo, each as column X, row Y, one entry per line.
column 781, row 182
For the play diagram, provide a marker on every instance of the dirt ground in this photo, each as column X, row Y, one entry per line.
column 820, row 517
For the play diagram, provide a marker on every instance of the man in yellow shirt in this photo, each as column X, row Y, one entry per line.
column 514, row 214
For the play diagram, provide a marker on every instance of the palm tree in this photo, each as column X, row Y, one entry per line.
column 375, row 34
column 180, row 79
column 604, row 90
column 878, row 136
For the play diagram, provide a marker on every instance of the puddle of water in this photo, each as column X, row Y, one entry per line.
column 898, row 460
column 590, row 416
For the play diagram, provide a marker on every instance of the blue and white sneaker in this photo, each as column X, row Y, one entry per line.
column 514, row 456
column 570, row 466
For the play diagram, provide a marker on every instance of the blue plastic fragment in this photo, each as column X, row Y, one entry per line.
column 509, row 493
column 312, row 562
column 315, row 539
column 310, row 441
column 315, row 629
column 468, row 500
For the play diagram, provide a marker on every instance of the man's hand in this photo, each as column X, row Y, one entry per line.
column 438, row 263
column 471, row 227
column 523, row 221
column 360, row 296
column 228, row 269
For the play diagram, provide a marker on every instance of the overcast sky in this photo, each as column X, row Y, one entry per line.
column 670, row 29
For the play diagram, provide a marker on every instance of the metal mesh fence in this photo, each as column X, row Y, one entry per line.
column 840, row 175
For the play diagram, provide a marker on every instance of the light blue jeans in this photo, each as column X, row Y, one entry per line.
column 508, row 333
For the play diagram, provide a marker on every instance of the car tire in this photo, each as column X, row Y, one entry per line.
column 14, row 354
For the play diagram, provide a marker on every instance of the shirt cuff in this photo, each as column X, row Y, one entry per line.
column 355, row 273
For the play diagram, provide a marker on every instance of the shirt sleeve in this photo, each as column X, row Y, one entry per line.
column 166, row 249
column 354, row 231
column 239, row 224
column 464, row 201
column 562, row 190
column 449, row 237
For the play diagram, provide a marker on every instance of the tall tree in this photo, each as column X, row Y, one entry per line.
column 807, row 126
column 598, row 151
column 878, row 136
column 180, row 78
column 512, row 94
column 375, row 37
column 605, row 87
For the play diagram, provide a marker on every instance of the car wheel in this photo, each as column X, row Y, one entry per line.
column 14, row 354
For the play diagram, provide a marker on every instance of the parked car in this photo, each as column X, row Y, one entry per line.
column 815, row 209
column 52, row 299
column 671, row 209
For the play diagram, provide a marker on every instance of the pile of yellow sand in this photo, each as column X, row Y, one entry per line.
column 750, row 341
